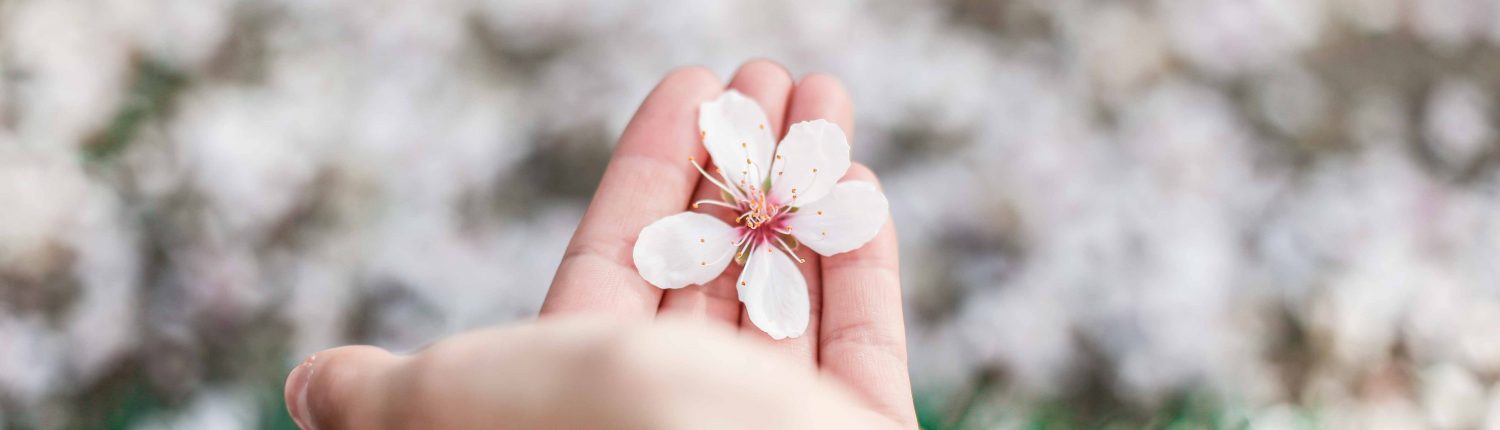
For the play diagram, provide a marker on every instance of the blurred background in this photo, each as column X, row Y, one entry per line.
column 1185, row 214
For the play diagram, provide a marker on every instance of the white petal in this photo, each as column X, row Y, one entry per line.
column 812, row 157
column 687, row 248
column 774, row 293
column 738, row 137
column 844, row 220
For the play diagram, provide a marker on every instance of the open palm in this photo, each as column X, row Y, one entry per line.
column 855, row 333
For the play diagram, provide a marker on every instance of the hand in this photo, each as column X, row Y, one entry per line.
column 615, row 369
column 855, row 333
column 566, row 373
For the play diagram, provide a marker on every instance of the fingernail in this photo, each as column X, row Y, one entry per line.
column 296, row 393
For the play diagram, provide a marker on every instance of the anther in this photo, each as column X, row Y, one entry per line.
column 762, row 126
column 820, row 212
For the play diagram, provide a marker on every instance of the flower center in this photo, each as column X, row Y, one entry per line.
column 761, row 218
column 757, row 210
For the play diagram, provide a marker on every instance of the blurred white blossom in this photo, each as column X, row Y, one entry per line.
column 1287, row 206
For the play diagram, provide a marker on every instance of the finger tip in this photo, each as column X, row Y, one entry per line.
column 693, row 76
column 765, row 70
column 331, row 388
column 821, row 95
column 294, row 394
column 860, row 172
column 823, row 83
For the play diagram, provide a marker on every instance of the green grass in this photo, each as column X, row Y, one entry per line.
column 150, row 97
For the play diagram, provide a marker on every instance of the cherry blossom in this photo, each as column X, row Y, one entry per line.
column 782, row 197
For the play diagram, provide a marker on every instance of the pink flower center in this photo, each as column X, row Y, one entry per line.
column 762, row 220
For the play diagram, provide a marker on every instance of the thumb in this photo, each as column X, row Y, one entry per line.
column 515, row 377
column 337, row 388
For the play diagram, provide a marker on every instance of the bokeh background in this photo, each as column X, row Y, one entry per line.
column 1191, row 214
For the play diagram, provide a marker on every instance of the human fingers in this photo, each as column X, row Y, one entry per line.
column 863, row 338
column 768, row 84
column 816, row 96
column 570, row 373
column 648, row 178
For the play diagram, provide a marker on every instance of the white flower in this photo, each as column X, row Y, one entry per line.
column 782, row 201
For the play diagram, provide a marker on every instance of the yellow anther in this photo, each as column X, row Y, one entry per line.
column 700, row 240
column 762, row 126
column 820, row 212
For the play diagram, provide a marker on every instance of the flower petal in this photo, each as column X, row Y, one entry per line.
column 844, row 220
column 687, row 248
column 774, row 293
column 738, row 137
column 812, row 157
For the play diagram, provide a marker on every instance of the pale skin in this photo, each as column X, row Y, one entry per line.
column 611, row 351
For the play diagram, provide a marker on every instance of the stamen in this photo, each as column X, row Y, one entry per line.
column 789, row 251
column 810, row 181
column 742, row 246
column 710, row 178
column 717, row 260
column 750, row 161
column 715, row 203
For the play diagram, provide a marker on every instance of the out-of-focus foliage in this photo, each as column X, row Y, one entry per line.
column 1179, row 214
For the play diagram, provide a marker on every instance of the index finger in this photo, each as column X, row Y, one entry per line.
column 648, row 178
